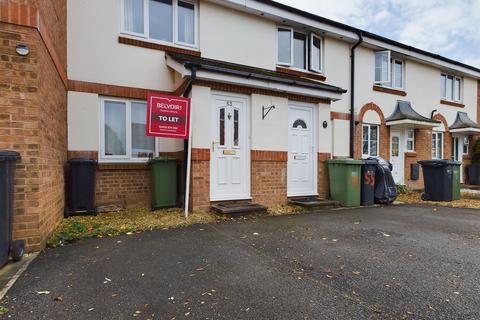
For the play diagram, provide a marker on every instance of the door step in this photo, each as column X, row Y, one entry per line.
column 238, row 209
column 313, row 203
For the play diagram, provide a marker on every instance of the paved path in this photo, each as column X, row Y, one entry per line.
column 401, row 262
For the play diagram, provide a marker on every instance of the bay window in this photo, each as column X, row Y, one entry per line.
column 123, row 128
column 450, row 87
column 389, row 72
column 299, row 50
column 437, row 145
column 370, row 135
column 171, row 21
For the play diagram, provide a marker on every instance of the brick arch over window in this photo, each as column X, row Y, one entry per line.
column 371, row 106
column 384, row 147
column 440, row 117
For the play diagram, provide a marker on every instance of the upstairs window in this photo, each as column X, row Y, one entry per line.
column 450, row 87
column 389, row 72
column 299, row 50
column 172, row 21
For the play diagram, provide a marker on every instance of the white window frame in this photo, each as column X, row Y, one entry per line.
column 443, row 95
column 407, row 139
column 467, row 139
column 146, row 24
column 313, row 36
column 285, row 63
column 308, row 51
column 369, row 125
column 436, row 147
column 389, row 66
column 119, row 158
column 392, row 68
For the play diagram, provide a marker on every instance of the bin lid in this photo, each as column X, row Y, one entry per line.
column 370, row 162
column 6, row 155
column 161, row 159
column 454, row 163
column 82, row 160
column 345, row 161
column 434, row 163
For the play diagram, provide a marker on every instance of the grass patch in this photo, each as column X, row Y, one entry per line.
column 414, row 197
column 3, row 310
column 111, row 224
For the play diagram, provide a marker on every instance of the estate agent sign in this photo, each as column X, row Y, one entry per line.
column 168, row 116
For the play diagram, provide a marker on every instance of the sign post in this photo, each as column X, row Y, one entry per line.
column 169, row 117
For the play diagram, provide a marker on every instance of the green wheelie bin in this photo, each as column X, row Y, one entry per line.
column 456, row 180
column 344, row 176
column 164, row 182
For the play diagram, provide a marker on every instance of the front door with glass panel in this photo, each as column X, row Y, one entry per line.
column 229, row 165
column 396, row 156
column 301, row 171
column 459, row 149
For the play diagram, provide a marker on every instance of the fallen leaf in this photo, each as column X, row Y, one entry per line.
column 43, row 292
column 60, row 299
column 255, row 233
column 356, row 273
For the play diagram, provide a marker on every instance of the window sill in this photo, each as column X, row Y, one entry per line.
column 157, row 46
column 102, row 166
column 451, row 103
column 301, row 73
column 389, row 90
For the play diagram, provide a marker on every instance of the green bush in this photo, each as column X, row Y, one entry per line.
column 476, row 152
column 402, row 189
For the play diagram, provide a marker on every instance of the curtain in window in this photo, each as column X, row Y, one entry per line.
column 133, row 16
column 161, row 20
column 186, row 22
column 115, row 129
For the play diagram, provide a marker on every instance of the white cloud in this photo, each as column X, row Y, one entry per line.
column 447, row 27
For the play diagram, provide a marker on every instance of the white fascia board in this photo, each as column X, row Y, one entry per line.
column 316, row 93
column 412, row 123
column 178, row 67
column 467, row 131
column 272, row 12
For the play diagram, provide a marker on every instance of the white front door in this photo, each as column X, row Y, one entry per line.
column 301, row 172
column 457, row 145
column 396, row 155
column 230, row 161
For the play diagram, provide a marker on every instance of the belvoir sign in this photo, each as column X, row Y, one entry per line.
column 168, row 116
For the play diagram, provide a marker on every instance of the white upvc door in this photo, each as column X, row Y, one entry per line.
column 397, row 155
column 457, row 145
column 230, row 151
column 302, row 160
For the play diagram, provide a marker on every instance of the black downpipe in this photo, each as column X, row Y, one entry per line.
column 185, row 94
column 352, row 95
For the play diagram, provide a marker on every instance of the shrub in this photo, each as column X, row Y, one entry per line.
column 402, row 189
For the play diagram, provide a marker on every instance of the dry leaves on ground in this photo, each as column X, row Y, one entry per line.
column 415, row 198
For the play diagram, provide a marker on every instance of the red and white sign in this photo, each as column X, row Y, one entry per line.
column 168, row 116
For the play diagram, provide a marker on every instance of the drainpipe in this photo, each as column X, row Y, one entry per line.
column 352, row 95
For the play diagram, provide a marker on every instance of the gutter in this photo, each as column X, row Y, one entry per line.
column 352, row 95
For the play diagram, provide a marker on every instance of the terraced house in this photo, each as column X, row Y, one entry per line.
column 275, row 93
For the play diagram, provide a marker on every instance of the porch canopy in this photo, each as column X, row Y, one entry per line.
column 464, row 125
column 404, row 115
column 253, row 77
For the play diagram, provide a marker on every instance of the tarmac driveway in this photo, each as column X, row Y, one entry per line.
column 402, row 262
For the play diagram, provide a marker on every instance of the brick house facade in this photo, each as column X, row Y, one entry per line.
column 33, row 115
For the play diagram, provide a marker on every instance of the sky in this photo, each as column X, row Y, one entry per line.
column 450, row 28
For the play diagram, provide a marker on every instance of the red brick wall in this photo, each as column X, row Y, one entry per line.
column 128, row 188
column 423, row 151
column 200, row 180
column 33, row 114
column 384, row 139
column 269, row 177
column 322, row 175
